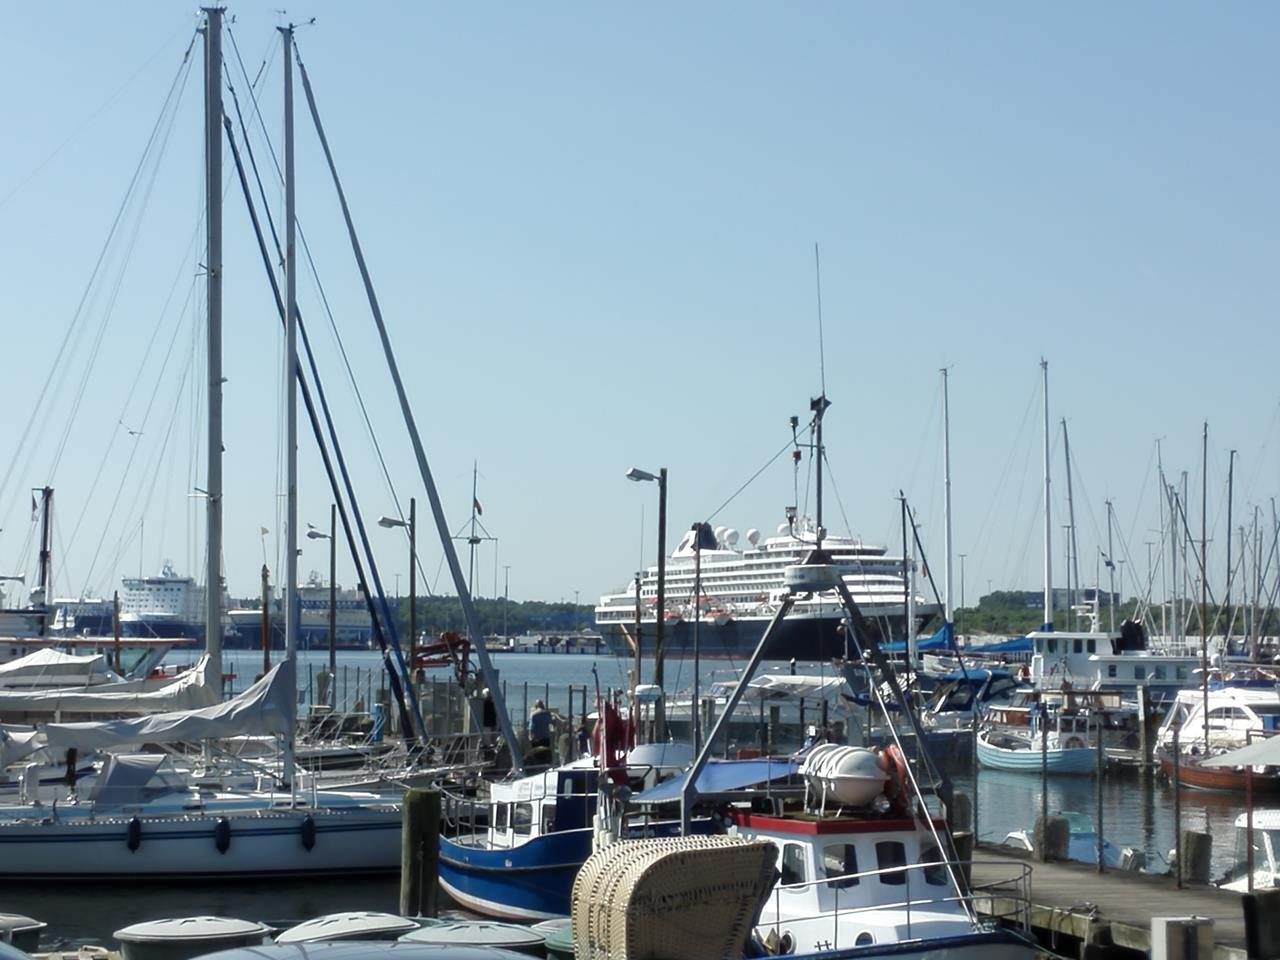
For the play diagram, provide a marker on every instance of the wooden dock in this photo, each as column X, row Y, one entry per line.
column 1077, row 911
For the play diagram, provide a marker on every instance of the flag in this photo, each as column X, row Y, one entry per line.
column 263, row 531
column 1109, row 562
column 35, row 507
column 476, row 503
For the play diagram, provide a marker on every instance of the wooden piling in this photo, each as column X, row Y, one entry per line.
column 1195, row 856
column 419, row 853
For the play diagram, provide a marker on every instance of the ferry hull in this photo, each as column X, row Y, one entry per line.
column 804, row 638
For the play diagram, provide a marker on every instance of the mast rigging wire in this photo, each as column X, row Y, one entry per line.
column 58, row 369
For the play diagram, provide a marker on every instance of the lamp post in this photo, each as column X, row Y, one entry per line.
column 331, row 536
column 660, row 613
column 412, row 525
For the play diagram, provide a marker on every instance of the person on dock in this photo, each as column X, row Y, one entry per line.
column 540, row 728
column 489, row 719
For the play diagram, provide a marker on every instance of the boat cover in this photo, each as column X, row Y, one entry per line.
column 90, row 667
column 1264, row 752
column 188, row 690
column 267, row 707
column 722, row 776
column 942, row 639
column 17, row 742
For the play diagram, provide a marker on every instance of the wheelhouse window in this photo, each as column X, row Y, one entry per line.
column 891, row 854
column 500, row 814
column 935, row 875
column 793, row 864
column 522, row 818
column 839, row 860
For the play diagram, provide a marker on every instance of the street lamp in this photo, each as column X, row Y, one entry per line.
column 412, row 525
column 635, row 473
column 332, row 537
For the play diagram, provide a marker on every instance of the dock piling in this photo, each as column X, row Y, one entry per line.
column 419, row 853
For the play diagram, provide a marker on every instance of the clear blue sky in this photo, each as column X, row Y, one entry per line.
column 592, row 228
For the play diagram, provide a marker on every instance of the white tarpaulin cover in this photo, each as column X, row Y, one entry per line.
column 68, row 668
column 187, row 691
column 268, row 707
column 1264, row 752
column 17, row 742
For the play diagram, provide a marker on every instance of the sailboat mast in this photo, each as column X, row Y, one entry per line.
column 948, row 598
column 1048, row 520
column 213, row 289
column 291, row 392
column 1073, row 554
column 1226, row 600
column 1111, row 566
column 472, row 540
column 1204, row 579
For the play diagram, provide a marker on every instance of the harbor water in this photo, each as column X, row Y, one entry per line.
column 1137, row 812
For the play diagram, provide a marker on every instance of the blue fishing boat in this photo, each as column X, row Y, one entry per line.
column 519, row 859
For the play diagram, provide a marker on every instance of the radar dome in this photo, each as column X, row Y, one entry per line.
column 783, row 529
column 731, row 536
column 753, row 536
column 720, row 532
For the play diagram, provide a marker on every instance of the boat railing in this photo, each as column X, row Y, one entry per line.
column 1002, row 900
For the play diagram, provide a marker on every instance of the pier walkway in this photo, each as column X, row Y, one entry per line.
column 1111, row 910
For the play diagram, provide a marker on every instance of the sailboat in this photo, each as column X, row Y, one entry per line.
column 143, row 817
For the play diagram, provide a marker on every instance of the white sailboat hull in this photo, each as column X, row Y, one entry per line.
column 258, row 843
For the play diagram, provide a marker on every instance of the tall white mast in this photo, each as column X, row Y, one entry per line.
column 948, row 598
column 213, row 288
column 291, row 389
column 1048, row 520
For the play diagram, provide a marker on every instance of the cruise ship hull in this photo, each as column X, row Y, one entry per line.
column 804, row 638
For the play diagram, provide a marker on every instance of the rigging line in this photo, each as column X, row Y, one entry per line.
column 87, row 121
column 137, row 379
column 379, row 611
column 57, row 365
column 733, row 496
column 848, row 527
column 122, row 270
column 146, row 417
column 324, row 299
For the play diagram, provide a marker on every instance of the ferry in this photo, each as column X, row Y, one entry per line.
column 741, row 590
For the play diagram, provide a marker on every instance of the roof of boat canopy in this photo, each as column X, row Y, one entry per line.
column 723, row 776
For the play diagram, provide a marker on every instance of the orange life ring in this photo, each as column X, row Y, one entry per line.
column 1073, row 743
column 894, row 764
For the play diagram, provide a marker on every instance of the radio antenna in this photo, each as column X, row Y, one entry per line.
column 822, row 353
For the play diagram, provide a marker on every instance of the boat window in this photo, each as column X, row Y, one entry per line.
column 935, row 875
column 1182, row 673
column 890, row 854
column 792, row 864
column 1111, row 669
column 1139, row 671
column 522, row 818
column 1053, row 644
column 839, row 860
column 1078, row 646
column 548, row 818
column 500, row 816
column 1093, row 646
column 1157, row 673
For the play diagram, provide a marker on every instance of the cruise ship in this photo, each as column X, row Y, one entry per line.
column 742, row 589
column 165, row 606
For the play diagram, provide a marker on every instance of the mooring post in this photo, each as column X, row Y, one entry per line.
column 1102, row 766
column 1144, row 730
column 1044, row 769
column 1177, row 811
column 419, row 852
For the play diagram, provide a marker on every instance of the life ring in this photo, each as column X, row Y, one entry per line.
column 894, row 764
column 1074, row 743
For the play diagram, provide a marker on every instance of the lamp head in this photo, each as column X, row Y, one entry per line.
column 314, row 534
column 635, row 473
column 390, row 522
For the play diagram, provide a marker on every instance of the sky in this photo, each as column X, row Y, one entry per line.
column 592, row 230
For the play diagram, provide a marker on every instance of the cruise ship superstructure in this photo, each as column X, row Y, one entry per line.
column 741, row 590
